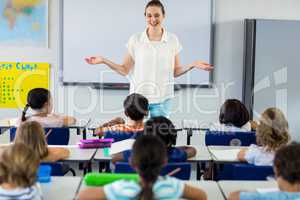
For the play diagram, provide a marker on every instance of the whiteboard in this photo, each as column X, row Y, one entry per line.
column 103, row 27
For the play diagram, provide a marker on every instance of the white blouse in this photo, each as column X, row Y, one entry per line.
column 258, row 155
column 153, row 71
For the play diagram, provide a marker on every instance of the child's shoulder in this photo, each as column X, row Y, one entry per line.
column 168, row 187
column 122, row 189
column 33, row 192
column 270, row 195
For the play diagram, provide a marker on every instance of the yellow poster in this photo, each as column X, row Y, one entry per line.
column 18, row 78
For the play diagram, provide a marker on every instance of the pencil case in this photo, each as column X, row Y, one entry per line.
column 93, row 145
column 92, row 141
column 100, row 179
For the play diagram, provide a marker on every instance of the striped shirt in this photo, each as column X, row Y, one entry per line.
column 164, row 188
column 270, row 196
column 120, row 128
column 29, row 193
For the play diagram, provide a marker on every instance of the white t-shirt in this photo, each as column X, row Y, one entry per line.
column 258, row 155
column 51, row 120
column 153, row 71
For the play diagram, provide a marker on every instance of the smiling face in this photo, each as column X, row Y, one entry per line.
column 154, row 16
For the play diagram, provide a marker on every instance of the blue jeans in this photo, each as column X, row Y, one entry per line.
column 160, row 109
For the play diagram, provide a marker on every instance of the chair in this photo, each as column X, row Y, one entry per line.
column 58, row 136
column 229, row 138
column 183, row 174
column 121, row 135
column 244, row 171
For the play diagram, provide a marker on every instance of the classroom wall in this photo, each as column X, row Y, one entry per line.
column 203, row 104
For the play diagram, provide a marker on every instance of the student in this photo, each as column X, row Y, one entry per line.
column 41, row 103
column 287, row 172
column 135, row 109
column 233, row 116
column 272, row 133
column 32, row 134
column 163, row 128
column 18, row 172
column 149, row 157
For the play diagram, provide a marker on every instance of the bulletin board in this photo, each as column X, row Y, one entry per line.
column 18, row 78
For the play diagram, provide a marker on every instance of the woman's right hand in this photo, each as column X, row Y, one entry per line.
column 93, row 60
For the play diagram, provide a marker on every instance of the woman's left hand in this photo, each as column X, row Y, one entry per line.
column 203, row 65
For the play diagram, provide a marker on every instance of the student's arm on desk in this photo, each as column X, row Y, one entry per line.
column 190, row 192
column 241, row 155
column 68, row 120
column 117, row 157
column 234, row 195
column 96, row 193
column 190, row 151
column 56, row 153
column 107, row 126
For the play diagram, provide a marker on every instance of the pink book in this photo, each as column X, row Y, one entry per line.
column 93, row 145
column 95, row 141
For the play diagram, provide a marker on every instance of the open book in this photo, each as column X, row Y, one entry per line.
column 121, row 146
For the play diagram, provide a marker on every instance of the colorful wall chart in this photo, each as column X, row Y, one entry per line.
column 18, row 78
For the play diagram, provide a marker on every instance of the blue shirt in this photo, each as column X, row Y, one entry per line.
column 270, row 196
column 174, row 155
column 164, row 188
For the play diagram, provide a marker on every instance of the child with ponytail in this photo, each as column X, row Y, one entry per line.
column 32, row 135
column 41, row 104
column 149, row 157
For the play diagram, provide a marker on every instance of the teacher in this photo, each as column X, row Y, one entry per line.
column 152, row 62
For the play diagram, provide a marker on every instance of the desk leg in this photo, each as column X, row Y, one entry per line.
column 198, row 171
column 85, row 166
column 189, row 135
column 84, row 134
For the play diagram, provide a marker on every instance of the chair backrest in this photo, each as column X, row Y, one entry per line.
column 121, row 135
column 184, row 173
column 229, row 138
column 251, row 172
column 58, row 136
column 56, row 168
column 243, row 171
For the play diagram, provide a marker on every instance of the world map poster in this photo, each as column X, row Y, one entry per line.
column 24, row 23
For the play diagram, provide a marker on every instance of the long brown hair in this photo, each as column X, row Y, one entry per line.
column 148, row 158
column 273, row 129
column 32, row 134
column 19, row 165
